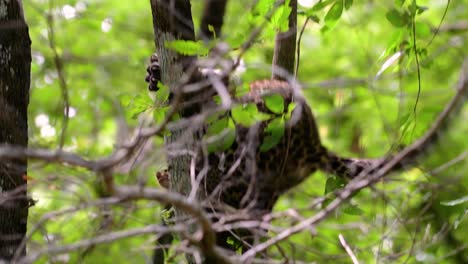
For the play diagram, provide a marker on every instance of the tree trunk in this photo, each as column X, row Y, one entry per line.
column 285, row 47
column 15, row 68
column 172, row 20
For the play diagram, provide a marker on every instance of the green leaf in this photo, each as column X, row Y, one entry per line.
column 236, row 244
column 320, row 5
column 187, row 47
column 405, row 122
column 423, row 30
column 247, row 115
column 399, row 3
column 262, row 7
column 212, row 30
column 348, row 4
column 242, row 90
column 274, row 103
column 413, row 8
column 139, row 104
column 162, row 95
column 395, row 42
column 236, row 39
column 159, row 114
column 314, row 18
column 458, row 201
column 396, row 18
column 334, row 13
column 310, row 14
column 167, row 214
column 351, row 209
column 244, row 114
column 325, row 29
column 291, row 108
column 273, row 134
column 334, row 183
column 221, row 134
column 125, row 100
column 421, row 9
column 332, row 16
column 280, row 18
column 216, row 123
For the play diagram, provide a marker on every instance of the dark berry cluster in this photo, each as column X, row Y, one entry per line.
column 154, row 73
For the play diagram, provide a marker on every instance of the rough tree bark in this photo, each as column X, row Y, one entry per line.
column 172, row 20
column 15, row 67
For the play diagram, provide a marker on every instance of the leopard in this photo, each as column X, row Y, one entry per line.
column 243, row 176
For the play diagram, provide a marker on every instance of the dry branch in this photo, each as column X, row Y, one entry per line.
column 364, row 180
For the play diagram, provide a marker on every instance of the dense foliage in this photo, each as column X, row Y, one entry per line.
column 376, row 74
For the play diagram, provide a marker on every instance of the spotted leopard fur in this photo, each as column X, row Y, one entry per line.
column 244, row 177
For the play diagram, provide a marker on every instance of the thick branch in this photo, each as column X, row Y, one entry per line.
column 382, row 168
column 102, row 239
column 15, row 70
column 207, row 242
column 173, row 17
column 172, row 20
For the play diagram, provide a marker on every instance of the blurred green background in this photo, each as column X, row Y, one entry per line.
column 364, row 108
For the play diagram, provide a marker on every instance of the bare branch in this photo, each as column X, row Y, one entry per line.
column 348, row 249
column 50, row 215
column 364, row 180
column 457, row 27
column 207, row 241
column 59, row 156
column 58, row 62
column 53, row 250
column 350, row 168
column 462, row 157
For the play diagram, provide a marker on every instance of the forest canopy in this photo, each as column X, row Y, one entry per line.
column 376, row 75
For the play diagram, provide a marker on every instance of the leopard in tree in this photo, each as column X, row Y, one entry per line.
column 245, row 176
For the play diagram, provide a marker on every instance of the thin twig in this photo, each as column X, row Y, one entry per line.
column 54, row 250
column 364, row 180
column 348, row 249
column 60, row 73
